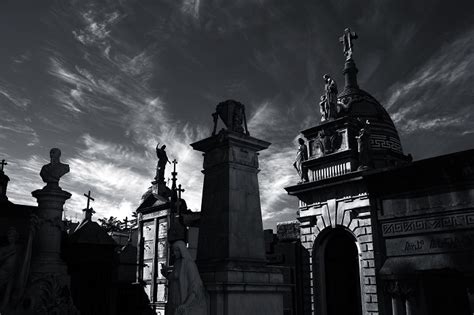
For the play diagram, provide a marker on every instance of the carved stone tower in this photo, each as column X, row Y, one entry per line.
column 334, row 209
column 231, row 250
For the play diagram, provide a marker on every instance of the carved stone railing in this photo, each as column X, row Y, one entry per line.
column 330, row 171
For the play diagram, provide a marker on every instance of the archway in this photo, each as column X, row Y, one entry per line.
column 336, row 268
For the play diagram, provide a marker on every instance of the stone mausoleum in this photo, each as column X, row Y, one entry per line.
column 384, row 235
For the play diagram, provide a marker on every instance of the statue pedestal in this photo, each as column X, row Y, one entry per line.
column 48, row 290
column 231, row 250
column 47, row 247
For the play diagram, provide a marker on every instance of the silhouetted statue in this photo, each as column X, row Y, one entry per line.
column 186, row 293
column 363, row 146
column 301, row 156
column 162, row 160
column 52, row 172
column 329, row 99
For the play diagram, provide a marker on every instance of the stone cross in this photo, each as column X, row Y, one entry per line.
column 180, row 190
column 346, row 40
column 2, row 164
column 173, row 174
column 174, row 166
column 89, row 198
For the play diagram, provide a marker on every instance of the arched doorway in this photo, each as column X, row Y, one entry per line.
column 336, row 268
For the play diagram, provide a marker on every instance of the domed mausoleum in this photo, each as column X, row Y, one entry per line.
column 355, row 132
column 384, row 235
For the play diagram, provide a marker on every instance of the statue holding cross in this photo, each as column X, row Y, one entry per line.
column 346, row 40
column 4, row 179
column 2, row 164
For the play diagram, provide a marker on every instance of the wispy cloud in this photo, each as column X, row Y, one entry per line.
column 437, row 86
column 14, row 129
column 97, row 25
column 14, row 96
column 191, row 7
column 275, row 162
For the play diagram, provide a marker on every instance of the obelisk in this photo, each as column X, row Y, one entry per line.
column 231, row 251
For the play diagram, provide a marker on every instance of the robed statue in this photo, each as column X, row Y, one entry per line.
column 52, row 172
column 363, row 146
column 162, row 160
column 328, row 101
column 186, row 293
column 301, row 156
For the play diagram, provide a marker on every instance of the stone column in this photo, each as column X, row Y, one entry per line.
column 48, row 236
column 231, row 249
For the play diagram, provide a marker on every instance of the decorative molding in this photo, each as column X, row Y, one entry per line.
column 432, row 224
column 378, row 144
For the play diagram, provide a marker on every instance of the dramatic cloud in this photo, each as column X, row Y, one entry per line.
column 416, row 103
column 106, row 81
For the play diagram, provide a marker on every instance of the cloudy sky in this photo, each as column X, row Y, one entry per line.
column 105, row 80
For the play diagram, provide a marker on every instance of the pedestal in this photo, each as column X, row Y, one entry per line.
column 48, row 289
column 231, row 248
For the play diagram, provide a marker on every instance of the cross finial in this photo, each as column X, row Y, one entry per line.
column 89, row 198
column 173, row 174
column 346, row 40
column 180, row 190
column 2, row 164
column 174, row 166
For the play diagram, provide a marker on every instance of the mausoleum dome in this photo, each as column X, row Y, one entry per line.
column 363, row 106
column 356, row 103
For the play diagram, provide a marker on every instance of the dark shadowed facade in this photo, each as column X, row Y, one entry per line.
column 385, row 235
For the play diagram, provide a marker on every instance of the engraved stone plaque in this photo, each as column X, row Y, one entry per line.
column 148, row 269
column 431, row 243
column 148, row 249
column 149, row 230
column 162, row 228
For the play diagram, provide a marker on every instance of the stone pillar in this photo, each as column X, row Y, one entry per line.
column 231, row 248
column 397, row 305
column 46, row 257
column 409, row 309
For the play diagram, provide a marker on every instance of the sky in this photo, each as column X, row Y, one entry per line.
column 106, row 80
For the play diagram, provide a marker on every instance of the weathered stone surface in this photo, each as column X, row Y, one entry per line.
column 231, row 248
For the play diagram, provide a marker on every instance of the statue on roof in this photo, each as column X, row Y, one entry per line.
column 328, row 101
column 162, row 160
column 301, row 156
column 232, row 113
column 363, row 146
column 52, row 172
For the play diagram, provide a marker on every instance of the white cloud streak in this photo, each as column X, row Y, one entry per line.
column 440, row 82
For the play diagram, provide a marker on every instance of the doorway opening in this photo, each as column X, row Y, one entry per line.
column 337, row 278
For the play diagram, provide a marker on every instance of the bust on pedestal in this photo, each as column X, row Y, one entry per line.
column 48, row 289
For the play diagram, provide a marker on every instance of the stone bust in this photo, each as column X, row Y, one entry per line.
column 52, row 172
